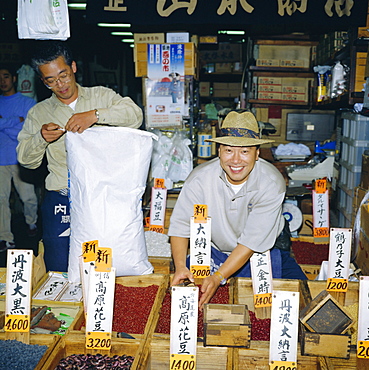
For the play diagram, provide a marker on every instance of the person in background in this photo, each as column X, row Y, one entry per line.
column 13, row 111
column 244, row 195
column 74, row 108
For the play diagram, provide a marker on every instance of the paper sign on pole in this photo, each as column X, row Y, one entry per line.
column 320, row 198
column 339, row 259
column 100, row 309
column 363, row 319
column 158, row 206
column 200, row 242
column 183, row 327
column 284, row 330
column 18, row 290
column 262, row 279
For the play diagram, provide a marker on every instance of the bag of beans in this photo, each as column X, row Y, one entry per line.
column 108, row 168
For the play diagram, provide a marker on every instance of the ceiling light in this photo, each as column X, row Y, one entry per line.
column 121, row 25
column 121, row 33
column 77, row 6
column 128, row 40
column 232, row 32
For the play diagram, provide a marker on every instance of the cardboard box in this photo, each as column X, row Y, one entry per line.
column 223, row 67
column 149, row 38
column 292, row 63
column 269, row 80
column 267, row 62
column 294, row 97
column 204, row 88
column 262, row 95
column 227, row 325
column 270, row 88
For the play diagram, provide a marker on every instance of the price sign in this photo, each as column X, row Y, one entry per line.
column 183, row 327
column 320, row 210
column 98, row 340
column 158, row 208
column 321, row 232
column 103, row 259
column 263, row 300
column 363, row 319
column 200, row 271
column 182, row 362
column 157, row 229
column 200, row 247
column 363, row 349
column 337, row 285
column 89, row 250
column 200, row 213
column 17, row 323
column 282, row 365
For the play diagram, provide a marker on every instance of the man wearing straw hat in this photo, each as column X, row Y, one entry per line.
column 244, row 195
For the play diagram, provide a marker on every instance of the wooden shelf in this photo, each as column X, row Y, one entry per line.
column 279, row 102
column 281, row 69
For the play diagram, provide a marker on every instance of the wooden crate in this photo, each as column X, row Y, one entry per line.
column 227, row 325
column 160, row 280
column 325, row 315
column 162, row 265
column 75, row 344
column 44, row 340
column 207, row 358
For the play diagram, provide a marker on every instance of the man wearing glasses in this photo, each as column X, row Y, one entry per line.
column 70, row 108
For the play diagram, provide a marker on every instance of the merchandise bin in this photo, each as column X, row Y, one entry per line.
column 41, row 339
column 75, row 344
column 355, row 126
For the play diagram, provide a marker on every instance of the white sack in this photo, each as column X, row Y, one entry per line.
column 108, row 168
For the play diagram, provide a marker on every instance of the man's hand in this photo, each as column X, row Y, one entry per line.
column 181, row 275
column 208, row 289
column 51, row 132
column 79, row 122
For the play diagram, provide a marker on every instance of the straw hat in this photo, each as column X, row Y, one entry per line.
column 240, row 129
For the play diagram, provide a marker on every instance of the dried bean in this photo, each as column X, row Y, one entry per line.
column 260, row 328
column 310, row 253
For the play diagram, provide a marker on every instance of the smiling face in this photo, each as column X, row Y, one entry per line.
column 7, row 82
column 65, row 87
column 238, row 162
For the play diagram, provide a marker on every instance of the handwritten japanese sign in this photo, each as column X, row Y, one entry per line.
column 158, row 206
column 53, row 287
column 18, row 290
column 200, row 247
column 320, row 212
column 284, row 329
column 183, row 327
column 363, row 320
column 339, row 259
column 262, row 279
column 100, row 309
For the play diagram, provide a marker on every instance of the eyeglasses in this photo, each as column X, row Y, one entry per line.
column 52, row 82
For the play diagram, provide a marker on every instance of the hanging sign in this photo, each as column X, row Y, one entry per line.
column 18, row 290
column 165, row 85
column 100, row 309
column 158, row 206
column 262, row 279
column 284, row 330
column 363, row 319
column 320, row 197
column 183, row 327
column 339, row 259
column 200, row 242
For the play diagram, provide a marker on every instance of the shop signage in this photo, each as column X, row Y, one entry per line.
column 339, row 14
column 158, row 206
column 363, row 323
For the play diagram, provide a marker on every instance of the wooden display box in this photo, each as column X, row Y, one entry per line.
column 207, row 358
column 227, row 325
column 75, row 344
column 43, row 340
column 325, row 315
column 160, row 280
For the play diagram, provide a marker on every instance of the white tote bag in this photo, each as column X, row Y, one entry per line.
column 108, row 168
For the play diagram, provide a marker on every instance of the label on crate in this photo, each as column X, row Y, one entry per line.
column 183, row 327
column 98, row 340
column 158, row 207
column 339, row 255
column 282, row 365
column 284, row 329
column 337, row 285
column 18, row 289
column 17, row 323
column 363, row 318
column 262, row 279
column 200, row 247
column 182, row 362
column 320, row 213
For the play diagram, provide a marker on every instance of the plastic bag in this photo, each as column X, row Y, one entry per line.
column 26, row 81
column 108, row 168
column 43, row 19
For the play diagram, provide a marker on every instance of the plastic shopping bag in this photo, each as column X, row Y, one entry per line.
column 108, row 168
column 43, row 19
column 26, row 81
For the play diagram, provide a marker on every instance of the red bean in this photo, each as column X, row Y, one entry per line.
column 310, row 253
column 260, row 328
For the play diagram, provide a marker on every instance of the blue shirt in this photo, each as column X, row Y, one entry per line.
column 11, row 108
